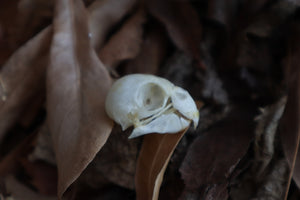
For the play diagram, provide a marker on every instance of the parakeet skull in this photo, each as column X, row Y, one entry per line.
column 150, row 104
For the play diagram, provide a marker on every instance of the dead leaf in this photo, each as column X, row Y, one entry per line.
column 213, row 156
column 153, row 159
column 77, row 83
column 10, row 163
column 289, row 128
column 222, row 11
column 43, row 148
column 153, row 51
column 42, row 176
column 182, row 23
column 116, row 162
column 18, row 191
column 19, row 21
column 265, row 133
column 104, row 14
column 8, row 10
column 233, row 13
column 29, row 116
column 21, row 78
column 274, row 185
column 126, row 43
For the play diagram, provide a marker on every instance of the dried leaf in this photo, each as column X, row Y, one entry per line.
column 21, row 78
column 42, row 176
column 43, row 148
column 10, row 163
column 126, row 43
column 274, row 184
column 212, row 157
column 233, row 13
column 152, row 53
column 222, row 11
column 265, row 132
column 152, row 162
column 289, row 127
column 116, row 162
column 8, row 10
column 105, row 14
column 18, row 191
column 182, row 23
column 77, row 83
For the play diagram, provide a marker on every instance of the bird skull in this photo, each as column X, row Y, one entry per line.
column 150, row 104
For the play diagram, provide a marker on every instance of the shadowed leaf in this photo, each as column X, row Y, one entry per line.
column 126, row 43
column 182, row 23
column 212, row 156
column 152, row 163
column 289, row 126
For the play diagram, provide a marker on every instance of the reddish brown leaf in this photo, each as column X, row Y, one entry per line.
column 19, row 21
column 105, row 14
column 32, row 110
column 10, row 163
column 18, row 191
column 231, row 12
column 152, row 163
column 152, row 53
column 21, row 78
column 77, row 83
column 126, row 43
column 289, row 127
column 8, row 10
column 182, row 23
column 42, row 176
column 212, row 156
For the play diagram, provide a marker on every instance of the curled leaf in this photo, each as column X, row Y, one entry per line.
column 153, row 159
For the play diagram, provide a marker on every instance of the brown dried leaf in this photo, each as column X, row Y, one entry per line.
column 77, row 83
column 182, row 23
column 10, row 163
column 153, row 159
column 116, row 162
column 289, row 127
column 18, row 191
column 21, row 78
column 8, row 10
column 42, row 176
column 152, row 53
column 105, row 14
column 19, row 21
column 231, row 12
column 126, row 43
column 213, row 156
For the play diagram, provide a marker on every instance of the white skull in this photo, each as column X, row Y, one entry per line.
column 151, row 104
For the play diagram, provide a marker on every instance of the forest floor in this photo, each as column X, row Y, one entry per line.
column 239, row 60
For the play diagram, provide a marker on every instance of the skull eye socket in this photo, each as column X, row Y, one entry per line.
column 152, row 96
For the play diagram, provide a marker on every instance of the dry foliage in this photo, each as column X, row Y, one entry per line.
column 240, row 59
